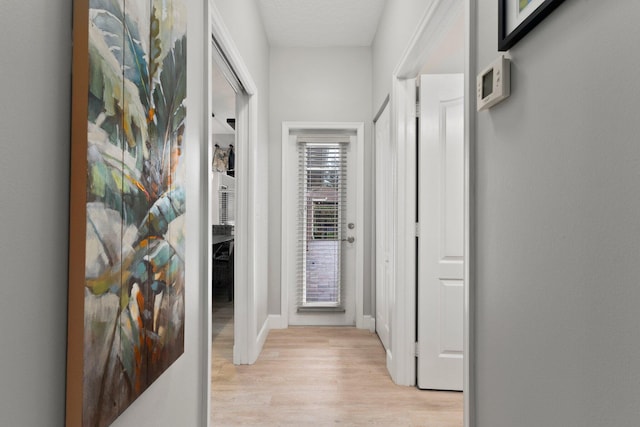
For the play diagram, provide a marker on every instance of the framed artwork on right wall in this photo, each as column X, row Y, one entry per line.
column 517, row 17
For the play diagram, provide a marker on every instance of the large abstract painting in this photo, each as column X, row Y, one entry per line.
column 127, row 245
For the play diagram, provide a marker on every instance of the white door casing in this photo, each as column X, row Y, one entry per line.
column 383, row 215
column 441, row 239
column 355, row 250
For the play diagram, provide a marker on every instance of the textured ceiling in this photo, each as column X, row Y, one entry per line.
column 320, row 23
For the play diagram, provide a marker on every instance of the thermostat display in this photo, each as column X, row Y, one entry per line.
column 487, row 84
column 493, row 84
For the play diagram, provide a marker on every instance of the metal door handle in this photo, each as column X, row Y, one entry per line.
column 349, row 239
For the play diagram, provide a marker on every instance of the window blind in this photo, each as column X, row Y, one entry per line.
column 322, row 190
column 227, row 198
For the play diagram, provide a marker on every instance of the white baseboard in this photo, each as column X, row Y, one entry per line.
column 276, row 321
column 260, row 340
column 369, row 323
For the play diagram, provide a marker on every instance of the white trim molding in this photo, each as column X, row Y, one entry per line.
column 403, row 318
column 469, row 214
column 287, row 264
column 276, row 321
column 262, row 335
column 369, row 322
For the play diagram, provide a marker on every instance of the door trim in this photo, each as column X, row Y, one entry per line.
column 288, row 251
column 401, row 358
column 401, row 362
column 468, row 379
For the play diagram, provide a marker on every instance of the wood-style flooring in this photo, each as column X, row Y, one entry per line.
column 320, row 376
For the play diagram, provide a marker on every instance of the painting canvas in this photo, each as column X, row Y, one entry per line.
column 524, row 4
column 522, row 11
column 127, row 243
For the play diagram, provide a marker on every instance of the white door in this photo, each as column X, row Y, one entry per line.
column 384, row 215
column 441, row 232
column 323, row 292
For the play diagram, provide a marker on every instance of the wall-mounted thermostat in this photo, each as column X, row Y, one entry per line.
column 493, row 84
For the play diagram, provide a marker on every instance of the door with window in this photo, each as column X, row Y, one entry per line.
column 324, row 292
column 441, row 236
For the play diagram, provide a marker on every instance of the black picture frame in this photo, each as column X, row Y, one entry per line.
column 507, row 40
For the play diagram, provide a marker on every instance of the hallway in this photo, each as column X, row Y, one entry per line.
column 317, row 377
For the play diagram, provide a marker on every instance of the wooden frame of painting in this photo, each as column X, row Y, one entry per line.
column 126, row 257
column 517, row 17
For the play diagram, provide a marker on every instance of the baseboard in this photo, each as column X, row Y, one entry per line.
column 369, row 323
column 260, row 340
column 236, row 358
column 276, row 321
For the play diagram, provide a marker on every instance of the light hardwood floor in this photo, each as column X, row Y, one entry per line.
column 317, row 377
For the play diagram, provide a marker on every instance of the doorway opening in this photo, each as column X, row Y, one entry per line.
column 439, row 47
column 225, row 88
column 235, row 208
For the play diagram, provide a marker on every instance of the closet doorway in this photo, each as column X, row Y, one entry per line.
column 244, row 338
column 225, row 88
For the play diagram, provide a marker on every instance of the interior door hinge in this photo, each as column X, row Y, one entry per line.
column 417, row 229
column 418, row 109
column 416, row 350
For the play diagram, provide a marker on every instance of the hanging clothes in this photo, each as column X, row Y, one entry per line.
column 220, row 160
column 231, row 155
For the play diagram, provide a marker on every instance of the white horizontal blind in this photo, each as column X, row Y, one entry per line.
column 227, row 206
column 322, row 190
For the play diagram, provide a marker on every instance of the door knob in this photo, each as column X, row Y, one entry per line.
column 349, row 239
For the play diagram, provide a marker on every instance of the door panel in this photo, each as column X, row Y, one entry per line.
column 441, row 240
column 452, row 150
column 450, row 336
column 384, row 215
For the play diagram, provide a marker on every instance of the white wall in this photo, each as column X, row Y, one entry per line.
column 315, row 84
column 558, row 224
column 34, row 171
column 242, row 19
column 224, row 139
column 398, row 23
column 34, row 166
